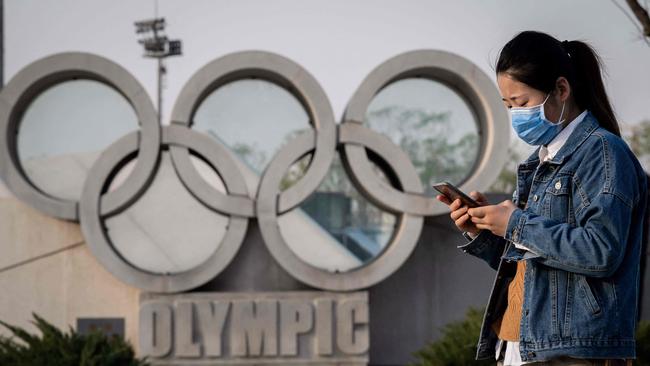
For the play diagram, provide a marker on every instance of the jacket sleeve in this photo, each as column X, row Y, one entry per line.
column 595, row 247
column 486, row 246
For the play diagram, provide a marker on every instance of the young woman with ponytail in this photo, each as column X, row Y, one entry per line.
column 567, row 247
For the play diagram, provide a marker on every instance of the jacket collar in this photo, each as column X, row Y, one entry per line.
column 577, row 137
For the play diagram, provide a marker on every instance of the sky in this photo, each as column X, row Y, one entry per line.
column 338, row 41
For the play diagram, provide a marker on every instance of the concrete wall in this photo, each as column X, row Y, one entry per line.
column 46, row 268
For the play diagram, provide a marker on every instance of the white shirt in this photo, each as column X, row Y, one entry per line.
column 512, row 356
column 554, row 146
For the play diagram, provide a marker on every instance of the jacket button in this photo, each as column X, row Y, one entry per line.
column 535, row 198
column 558, row 185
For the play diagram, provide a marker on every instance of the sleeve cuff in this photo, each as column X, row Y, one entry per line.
column 523, row 247
column 515, row 225
column 469, row 236
column 475, row 244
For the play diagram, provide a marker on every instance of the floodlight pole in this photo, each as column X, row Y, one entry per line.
column 160, row 75
column 2, row 42
column 159, row 47
column 160, row 81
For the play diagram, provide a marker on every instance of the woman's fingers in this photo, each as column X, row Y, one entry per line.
column 443, row 199
column 458, row 213
column 478, row 220
column 478, row 211
column 479, row 197
column 462, row 220
column 455, row 205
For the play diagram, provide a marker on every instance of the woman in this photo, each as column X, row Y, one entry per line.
column 567, row 247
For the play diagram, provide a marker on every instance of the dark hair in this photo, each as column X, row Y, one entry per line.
column 538, row 59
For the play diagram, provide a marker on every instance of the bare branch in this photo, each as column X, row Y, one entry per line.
column 641, row 14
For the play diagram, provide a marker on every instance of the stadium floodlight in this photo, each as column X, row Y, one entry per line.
column 156, row 24
column 174, row 48
column 157, row 45
column 155, row 42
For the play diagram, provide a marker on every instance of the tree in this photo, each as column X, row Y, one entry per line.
column 638, row 138
column 55, row 347
column 457, row 346
column 426, row 137
column 642, row 16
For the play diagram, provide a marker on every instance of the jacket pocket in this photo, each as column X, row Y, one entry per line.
column 557, row 203
column 588, row 295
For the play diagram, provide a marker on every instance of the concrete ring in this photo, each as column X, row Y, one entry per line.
column 283, row 72
column 473, row 84
column 236, row 201
column 46, row 72
column 116, row 156
column 396, row 252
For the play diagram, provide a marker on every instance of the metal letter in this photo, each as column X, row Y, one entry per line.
column 348, row 314
column 253, row 328
column 212, row 318
column 184, row 327
column 323, row 334
column 296, row 316
column 155, row 329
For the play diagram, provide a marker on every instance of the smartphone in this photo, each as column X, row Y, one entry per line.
column 452, row 192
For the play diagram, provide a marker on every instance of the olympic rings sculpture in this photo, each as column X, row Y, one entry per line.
column 405, row 198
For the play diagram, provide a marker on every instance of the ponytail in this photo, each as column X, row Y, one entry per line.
column 589, row 87
column 538, row 59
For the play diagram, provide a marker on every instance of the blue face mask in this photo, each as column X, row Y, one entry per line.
column 532, row 126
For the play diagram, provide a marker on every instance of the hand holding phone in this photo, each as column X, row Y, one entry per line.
column 452, row 193
column 449, row 194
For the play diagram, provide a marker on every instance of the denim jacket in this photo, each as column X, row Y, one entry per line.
column 584, row 223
